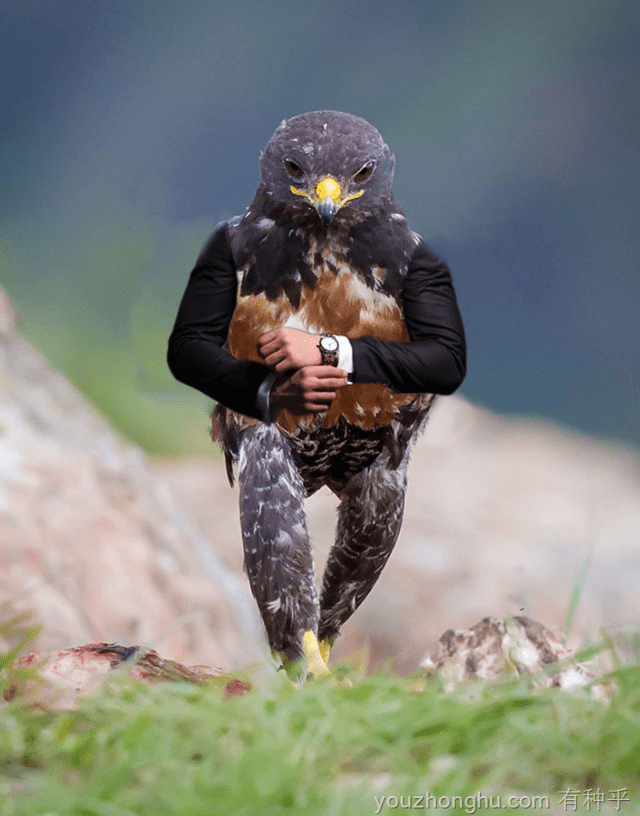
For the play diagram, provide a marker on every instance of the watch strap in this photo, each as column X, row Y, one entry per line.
column 329, row 357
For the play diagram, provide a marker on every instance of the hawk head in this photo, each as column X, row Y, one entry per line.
column 326, row 186
column 325, row 163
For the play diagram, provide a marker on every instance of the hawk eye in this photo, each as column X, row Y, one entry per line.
column 364, row 173
column 293, row 169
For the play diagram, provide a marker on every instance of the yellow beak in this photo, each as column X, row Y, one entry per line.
column 328, row 187
column 327, row 197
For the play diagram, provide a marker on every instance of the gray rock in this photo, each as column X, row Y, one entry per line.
column 91, row 539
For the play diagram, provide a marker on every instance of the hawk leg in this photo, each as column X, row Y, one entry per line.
column 277, row 550
column 369, row 521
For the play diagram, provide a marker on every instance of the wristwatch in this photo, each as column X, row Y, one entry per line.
column 329, row 347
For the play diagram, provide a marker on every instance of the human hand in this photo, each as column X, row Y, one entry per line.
column 309, row 390
column 287, row 348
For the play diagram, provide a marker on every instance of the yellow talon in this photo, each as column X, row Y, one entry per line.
column 313, row 661
column 325, row 650
column 314, row 657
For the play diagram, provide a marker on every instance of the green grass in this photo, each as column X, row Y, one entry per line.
column 181, row 749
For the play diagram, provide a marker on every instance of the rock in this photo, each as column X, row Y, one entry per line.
column 91, row 539
column 517, row 646
column 62, row 677
column 8, row 316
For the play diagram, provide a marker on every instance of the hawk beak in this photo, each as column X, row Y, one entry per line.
column 327, row 208
column 327, row 197
column 328, row 194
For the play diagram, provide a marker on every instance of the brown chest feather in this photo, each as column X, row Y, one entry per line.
column 339, row 303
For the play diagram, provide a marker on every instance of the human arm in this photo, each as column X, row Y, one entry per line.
column 285, row 348
column 197, row 357
column 434, row 361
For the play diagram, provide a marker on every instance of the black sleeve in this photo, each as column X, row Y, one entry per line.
column 196, row 355
column 435, row 359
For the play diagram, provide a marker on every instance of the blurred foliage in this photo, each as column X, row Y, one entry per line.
column 129, row 130
column 103, row 315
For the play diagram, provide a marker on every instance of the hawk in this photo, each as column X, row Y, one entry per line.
column 323, row 250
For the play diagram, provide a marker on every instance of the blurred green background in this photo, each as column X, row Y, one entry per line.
column 130, row 128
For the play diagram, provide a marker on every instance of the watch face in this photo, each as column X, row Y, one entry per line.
column 329, row 344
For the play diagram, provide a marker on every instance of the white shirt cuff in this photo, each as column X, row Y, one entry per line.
column 345, row 355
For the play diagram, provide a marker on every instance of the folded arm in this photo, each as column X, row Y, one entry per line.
column 435, row 359
column 196, row 355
